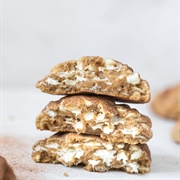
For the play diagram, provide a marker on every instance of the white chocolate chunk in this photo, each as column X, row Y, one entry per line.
column 100, row 117
column 130, row 115
column 98, row 126
column 108, row 146
column 90, row 68
column 93, row 162
column 99, row 79
column 110, row 62
column 69, row 120
column 67, row 155
column 69, row 82
column 52, row 145
column 138, row 89
column 88, row 103
column 88, row 116
column 122, row 156
column 66, row 74
column 74, row 110
column 109, row 83
column 136, row 155
column 79, row 66
column 117, row 120
column 51, row 113
column 107, row 130
column 120, row 145
column 133, row 79
column 101, row 69
column 145, row 126
column 95, row 87
column 133, row 131
column 134, row 166
column 92, row 144
column 141, row 137
column 78, row 126
column 105, row 155
column 80, row 79
column 121, row 77
column 52, row 81
column 121, row 110
column 110, row 67
column 75, row 144
column 89, row 144
column 79, row 153
column 39, row 148
column 61, row 107
column 133, row 148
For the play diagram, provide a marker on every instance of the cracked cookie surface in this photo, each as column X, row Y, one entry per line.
column 98, row 116
column 95, row 75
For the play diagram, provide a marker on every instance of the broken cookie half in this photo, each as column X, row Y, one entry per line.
column 97, row 155
column 95, row 75
column 97, row 116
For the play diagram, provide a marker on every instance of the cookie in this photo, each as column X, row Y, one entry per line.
column 97, row 116
column 167, row 103
column 95, row 75
column 176, row 132
column 96, row 154
column 6, row 172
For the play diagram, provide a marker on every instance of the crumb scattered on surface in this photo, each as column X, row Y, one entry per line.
column 66, row 174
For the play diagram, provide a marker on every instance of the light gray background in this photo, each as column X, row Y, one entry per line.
column 38, row 34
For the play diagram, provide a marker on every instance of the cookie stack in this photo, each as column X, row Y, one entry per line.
column 90, row 127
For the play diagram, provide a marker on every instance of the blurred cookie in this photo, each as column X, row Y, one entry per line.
column 96, row 154
column 6, row 172
column 176, row 132
column 95, row 75
column 98, row 116
column 167, row 103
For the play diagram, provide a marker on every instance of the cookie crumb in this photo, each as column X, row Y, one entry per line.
column 66, row 174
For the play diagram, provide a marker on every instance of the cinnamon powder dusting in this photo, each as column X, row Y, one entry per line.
column 17, row 151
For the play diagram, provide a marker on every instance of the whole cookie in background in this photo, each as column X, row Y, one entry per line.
column 176, row 132
column 167, row 103
column 6, row 172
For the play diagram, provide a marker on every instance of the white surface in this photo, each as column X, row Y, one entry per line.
column 20, row 107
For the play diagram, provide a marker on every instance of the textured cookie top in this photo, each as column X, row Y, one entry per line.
column 167, row 102
column 95, row 75
column 97, row 154
column 95, row 115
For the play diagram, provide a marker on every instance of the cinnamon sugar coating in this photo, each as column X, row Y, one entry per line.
column 98, row 116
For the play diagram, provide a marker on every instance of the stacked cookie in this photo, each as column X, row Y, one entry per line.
column 91, row 128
